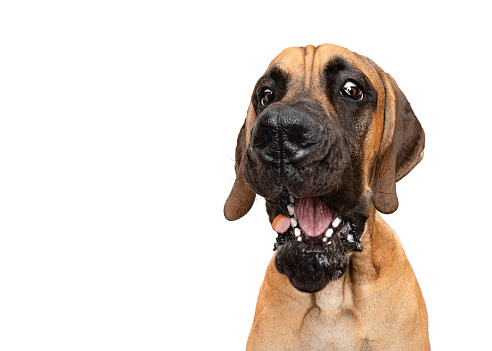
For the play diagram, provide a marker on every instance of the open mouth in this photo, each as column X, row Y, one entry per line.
column 308, row 220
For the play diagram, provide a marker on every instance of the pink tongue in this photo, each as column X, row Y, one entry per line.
column 313, row 216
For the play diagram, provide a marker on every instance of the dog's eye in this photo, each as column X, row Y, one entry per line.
column 352, row 90
column 267, row 97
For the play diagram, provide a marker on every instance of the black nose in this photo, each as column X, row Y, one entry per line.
column 285, row 135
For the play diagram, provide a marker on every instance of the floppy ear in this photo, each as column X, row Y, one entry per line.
column 241, row 198
column 402, row 146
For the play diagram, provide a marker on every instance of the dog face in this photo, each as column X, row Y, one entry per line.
column 327, row 136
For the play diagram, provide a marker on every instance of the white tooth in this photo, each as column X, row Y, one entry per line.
column 329, row 232
column 336, row 222
column 329, row 242
column 299, row 238
column 291, row 198
column 293, row 222
column 350, row 238
column 290, row 208
column 325, row 239
column 297, row 232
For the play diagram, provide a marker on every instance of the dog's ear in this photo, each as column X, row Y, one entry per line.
column 402, row 146
column 241, row 198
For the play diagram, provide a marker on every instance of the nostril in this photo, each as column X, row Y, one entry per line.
column 301, row 138
column 262, row 138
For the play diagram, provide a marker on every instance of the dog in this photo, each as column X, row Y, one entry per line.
column 327, row 135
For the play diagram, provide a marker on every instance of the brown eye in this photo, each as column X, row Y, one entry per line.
column 267, row 97
column 352, row 90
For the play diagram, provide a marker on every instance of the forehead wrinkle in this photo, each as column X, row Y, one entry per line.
column 300, row 64
column 309, row 56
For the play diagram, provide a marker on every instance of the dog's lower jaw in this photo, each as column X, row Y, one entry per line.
column 310, row 268
column 316, row 248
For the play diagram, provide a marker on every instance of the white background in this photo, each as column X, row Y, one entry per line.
column 118, row 122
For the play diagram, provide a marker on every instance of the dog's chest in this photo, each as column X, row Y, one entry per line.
column 310, row 330
column 331, row 331
column 330, row 323
column 324, row 323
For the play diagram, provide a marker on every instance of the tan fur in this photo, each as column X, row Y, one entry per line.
column 367, row 309
column 377, row 304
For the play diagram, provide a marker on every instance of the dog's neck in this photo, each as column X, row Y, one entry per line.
column 341, row 293
column 375, row 264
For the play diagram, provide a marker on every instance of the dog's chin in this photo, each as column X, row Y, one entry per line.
column 310, row 268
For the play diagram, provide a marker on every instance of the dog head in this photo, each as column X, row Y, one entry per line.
column 327, row 136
